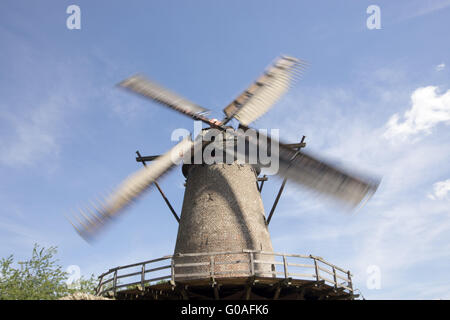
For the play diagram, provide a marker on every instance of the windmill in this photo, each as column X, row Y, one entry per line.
column 222, row 220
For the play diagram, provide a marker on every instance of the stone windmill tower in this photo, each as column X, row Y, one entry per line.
column 223, row 230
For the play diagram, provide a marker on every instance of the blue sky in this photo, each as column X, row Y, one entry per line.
column 376, row 100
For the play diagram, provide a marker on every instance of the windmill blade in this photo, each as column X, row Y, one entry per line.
column 141, row 85
column 318, row 175
column 90, row 221
column 266, row 90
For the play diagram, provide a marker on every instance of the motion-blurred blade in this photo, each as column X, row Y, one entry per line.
column 266, row 90
column 348, row 187
column 90, row 221
column 318, row 175
column 139, row 84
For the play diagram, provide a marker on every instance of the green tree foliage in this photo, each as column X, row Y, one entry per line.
column 39, row 278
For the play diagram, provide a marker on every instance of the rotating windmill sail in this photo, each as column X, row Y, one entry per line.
column 300, row 167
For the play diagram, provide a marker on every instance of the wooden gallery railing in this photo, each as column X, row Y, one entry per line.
column 295, row 266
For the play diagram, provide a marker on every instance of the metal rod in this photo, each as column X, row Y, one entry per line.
column 299, row 146
column 161, row 192
column 167, row 202
column 264, row 178
column 276, row 201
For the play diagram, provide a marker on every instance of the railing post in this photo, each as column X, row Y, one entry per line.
column 316, row 267
column 335, row 278
column 143, row 276
column 252, row 264
column 100, row 286
column 211, row 266
column 172, row 271
column 285, row 267
column 115, row 283
column 350, row 285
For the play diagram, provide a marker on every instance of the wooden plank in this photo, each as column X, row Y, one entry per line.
column 107, row 281
column 328, row 280
column 215, row 253
column 325, row 270
column 277, row 254
column 300, row 265
column 144, row 262
column 216, row 292
column 301, row 275
column 329, row 264
column 193, row 264
column 158, row 278
column 159, row 268
column 198, row 274
column 268, row 262
column 342, row 278
column 128, row 275
column 245, row 272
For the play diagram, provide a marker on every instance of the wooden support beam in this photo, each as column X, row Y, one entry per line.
column 213, row 281
column 248, row 288
column 282, row 284
column 183, row 292
column 277, row 293
column 235, row 296
column 216, row 292
column 248, row 292
column 301, row 294
column 325, row 294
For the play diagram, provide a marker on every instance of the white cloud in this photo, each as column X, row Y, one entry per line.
column 33, row 135
column 428, row 109
column 441, row 190
column 440, row 67
column 399, row 229
column 421, row 8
